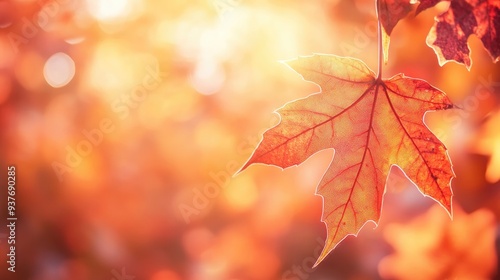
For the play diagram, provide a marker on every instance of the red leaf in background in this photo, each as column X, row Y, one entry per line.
column 426, row 4
column 372, row 124
column 448, row 37
column 392, row 11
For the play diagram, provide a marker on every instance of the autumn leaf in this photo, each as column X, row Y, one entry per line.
column 448, row 37
column 431, row 247
column 372, row 124
column 487, row 143
column 426, row 4
column 390, row 12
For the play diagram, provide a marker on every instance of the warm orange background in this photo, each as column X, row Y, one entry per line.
column 175, row 95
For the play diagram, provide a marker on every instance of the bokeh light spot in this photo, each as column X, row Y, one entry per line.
column 59, row 70
column 75, row 40
column 242, row 194
column 208, row 77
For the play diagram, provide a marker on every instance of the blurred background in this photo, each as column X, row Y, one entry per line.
column 126, row 119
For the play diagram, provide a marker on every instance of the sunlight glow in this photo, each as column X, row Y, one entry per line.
column 108, row 10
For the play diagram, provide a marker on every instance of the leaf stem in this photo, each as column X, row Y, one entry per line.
column 379, row 43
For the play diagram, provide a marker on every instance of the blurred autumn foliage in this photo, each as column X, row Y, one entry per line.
column 462, row 249
column 126, row 120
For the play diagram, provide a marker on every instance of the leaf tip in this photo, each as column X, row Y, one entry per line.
column 449, row 209
column 318, row 261
column 284, row 61
column 447, row 201
column 295, row 62
column 244, row 167
column 323, row 255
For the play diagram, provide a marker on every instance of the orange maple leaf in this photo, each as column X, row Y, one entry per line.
column 448, row 37
column 372, row 124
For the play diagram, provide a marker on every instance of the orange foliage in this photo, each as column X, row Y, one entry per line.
column 433, row 247
column 125, row 120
